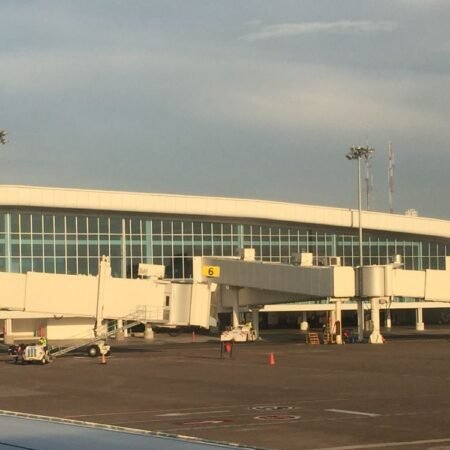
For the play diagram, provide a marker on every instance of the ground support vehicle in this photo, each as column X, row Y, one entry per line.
column 241, row 333
column 95, row 346
column 30, row 353
column 99, row 348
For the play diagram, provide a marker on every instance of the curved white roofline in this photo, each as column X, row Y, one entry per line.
column 86, row 199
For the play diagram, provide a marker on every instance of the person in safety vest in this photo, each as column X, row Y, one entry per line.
column 43, row 342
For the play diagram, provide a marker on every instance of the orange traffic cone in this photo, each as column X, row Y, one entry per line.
column 103, row 359
column 193, row 336
column 272, row 359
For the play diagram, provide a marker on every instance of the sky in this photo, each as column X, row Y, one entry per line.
column 250, row 99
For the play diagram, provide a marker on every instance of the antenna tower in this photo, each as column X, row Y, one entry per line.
column 369, row 181
column 391, row 176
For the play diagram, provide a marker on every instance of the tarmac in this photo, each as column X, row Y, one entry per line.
column 313, row 397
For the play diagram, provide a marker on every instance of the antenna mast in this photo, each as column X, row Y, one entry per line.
column 391, row 176
column 369, row 181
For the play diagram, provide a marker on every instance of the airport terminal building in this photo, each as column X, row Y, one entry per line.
column 66, row 231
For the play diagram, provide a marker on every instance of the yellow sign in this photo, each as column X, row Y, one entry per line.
column 211, row 271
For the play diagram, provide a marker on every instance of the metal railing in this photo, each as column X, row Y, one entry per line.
column 142, row 314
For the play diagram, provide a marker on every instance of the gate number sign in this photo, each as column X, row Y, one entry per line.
column 211, row 271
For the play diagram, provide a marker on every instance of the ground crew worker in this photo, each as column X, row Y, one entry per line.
column 43, row 342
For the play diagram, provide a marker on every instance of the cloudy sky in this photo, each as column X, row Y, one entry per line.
column 253, row 99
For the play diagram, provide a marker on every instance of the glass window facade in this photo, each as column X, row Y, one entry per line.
column 72, row 243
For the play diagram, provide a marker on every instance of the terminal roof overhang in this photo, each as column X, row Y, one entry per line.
column 215, row 207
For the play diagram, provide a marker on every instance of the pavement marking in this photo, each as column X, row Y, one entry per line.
column 273, row 417
column 190, row 413
column 205, row 422
column 272, row 408
column 386, row 444
column 357, row 413
column 201, row 409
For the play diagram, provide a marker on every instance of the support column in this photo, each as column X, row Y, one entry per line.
column 375, row 337
column 149, row 333
column 420, row 326
column 360, row 320
column 388, row 319
column 332, row 320
column 119, row 333
column 8, row 337
column 235, row 313
column 304, row 326
column 104, row 273
column 338, row 322
column 255, row 321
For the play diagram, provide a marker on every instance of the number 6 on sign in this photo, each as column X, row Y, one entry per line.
column 211, row 271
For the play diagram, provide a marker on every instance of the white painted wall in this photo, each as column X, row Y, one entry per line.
column 73, row 295
column 12, row 290
column 70, row 328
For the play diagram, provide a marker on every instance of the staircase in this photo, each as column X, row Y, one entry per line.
column 313, row 338
column 143, row 314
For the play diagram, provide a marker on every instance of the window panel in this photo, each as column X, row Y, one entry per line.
column 60, row 249
column 93, row 249
column 71, row 266
column 14, row 220
column 156, row 227
column 26, row 250
column 25, row 223
column 197, row 227
column 116, row 267
column 49, row 265
column 38, row 265
column 115, row 224
column 38, row 248
column 92, row 225
column 59, row 224
column 49, row 249
column 26, row 265
column 15, row 250
column 71, row 224
column 187, row 227
column 135, row 226
column 93, row 266
column 226, row 228
column 176, row 227
column 82, row 224
column 116, row 248
column 82, row 266
column 71, row 250
column 82, row 249
column 48, row 224
column 103, row 225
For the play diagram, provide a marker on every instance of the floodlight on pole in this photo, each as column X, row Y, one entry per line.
column 3, row 139
column 355, row 154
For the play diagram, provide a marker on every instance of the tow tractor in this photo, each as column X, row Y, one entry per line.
column 29, row 353
column 241, row 333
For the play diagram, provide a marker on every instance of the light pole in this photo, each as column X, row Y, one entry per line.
column 355, row 154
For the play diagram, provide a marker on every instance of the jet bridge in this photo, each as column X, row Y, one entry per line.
column 62, row 306
column 251, row 283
